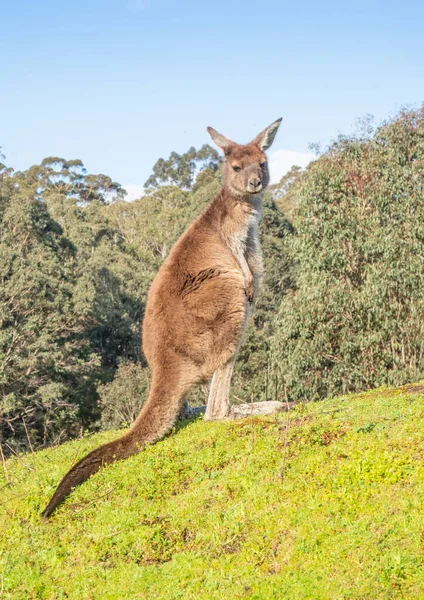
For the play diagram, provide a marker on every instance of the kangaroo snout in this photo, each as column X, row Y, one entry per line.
column 254, row 184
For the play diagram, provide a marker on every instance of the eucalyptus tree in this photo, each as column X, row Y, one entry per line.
column 355, row 318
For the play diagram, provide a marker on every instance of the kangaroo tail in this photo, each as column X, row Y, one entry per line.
column 156, row 418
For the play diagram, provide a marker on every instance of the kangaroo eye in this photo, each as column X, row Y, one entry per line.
column 236, row 169
column 263, row 165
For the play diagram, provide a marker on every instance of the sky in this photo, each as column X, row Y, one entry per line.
column 120, row 83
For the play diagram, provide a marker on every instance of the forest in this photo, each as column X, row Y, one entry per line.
column 342, row 306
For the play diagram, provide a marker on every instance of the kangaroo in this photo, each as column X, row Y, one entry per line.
column 197, row 308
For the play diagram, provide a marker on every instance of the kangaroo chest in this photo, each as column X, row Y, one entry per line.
column 244, row 241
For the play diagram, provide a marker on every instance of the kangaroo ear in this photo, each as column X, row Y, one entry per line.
column 266, row 137
column 219, row 139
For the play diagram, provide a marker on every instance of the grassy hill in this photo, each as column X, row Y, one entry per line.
column 204, row 514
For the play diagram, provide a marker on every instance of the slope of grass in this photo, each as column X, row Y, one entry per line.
column 204, row 514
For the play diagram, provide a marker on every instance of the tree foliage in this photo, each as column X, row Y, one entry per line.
column 44, row 353
column 180, row 169
column 284, row 192
column 70, row 179
column 356, row 316
column 70, row 305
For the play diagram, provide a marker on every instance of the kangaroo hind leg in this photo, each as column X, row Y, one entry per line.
column 218, row 406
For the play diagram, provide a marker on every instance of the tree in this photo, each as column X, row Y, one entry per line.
column 355, row 318
column 180, row 169
column 70, row 301
column 69, row 179
column 44, row 357
column 284, row 192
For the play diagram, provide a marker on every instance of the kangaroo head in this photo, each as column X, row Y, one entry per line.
column 245, row 169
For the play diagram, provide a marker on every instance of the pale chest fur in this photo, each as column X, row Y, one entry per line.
column 244, row 243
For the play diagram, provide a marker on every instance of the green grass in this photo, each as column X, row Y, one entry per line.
column 204, row 514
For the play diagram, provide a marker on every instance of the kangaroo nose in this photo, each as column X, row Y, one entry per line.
column 254, row 182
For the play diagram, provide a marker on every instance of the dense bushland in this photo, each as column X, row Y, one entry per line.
column 342, row 305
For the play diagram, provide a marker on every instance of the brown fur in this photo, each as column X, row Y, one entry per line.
column 197, row 307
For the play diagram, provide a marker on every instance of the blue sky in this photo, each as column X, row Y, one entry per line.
column 119, row 83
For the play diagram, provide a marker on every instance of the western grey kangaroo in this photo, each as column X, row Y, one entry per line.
column 197, row 308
